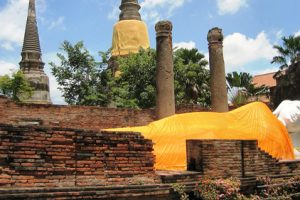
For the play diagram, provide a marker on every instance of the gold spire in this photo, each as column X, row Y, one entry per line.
column 130, row 33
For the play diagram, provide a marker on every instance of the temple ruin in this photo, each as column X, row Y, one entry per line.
column 63, row 152
column 31, row 64
column 130, row 33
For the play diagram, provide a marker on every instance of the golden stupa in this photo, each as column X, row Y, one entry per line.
column 130, row 33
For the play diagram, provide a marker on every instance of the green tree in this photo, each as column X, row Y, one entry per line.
column 287, row 53
column 191, row 77
column 137, row 83
column 135, row 87
column 244, row 81
column 82, row 80
column 16, row 87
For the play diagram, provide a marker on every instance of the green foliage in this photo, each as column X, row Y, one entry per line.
column 220, row 189
column 287, row 53
column 16, row 87
column 241, row 80
column 180, row 189
column 135, row 87
column 191, row 78
column 240, row 99
column 278, row 190
column 137, row 84
column 247, row 89
column 82, row 80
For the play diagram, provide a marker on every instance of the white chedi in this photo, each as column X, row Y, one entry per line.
column 288, row 112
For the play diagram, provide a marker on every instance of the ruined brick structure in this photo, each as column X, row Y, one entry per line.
column 234, row 158
column 78, row 117
column 55, row 157
column 62, row 153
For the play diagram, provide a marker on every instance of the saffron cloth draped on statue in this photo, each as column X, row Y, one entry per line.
column 254, row 121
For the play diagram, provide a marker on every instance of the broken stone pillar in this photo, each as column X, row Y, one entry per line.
column 217, row 71
column 165, row 97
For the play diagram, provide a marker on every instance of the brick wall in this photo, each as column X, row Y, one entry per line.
column 55, row 157
column 227, row 158
column 78, row 117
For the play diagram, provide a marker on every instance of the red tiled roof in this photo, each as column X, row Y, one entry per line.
column 265, row 79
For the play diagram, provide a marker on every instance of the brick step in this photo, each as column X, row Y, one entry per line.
column 74, row 189
column 260, row 187
column 89, row 192
column 284, row 176
column 158, row 191
column 178, row 176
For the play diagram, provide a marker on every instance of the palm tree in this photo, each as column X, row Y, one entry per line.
column 191, row 77
column 288, row 52
column 243, row 81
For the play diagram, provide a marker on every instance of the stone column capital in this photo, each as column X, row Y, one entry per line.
column 163, row 28
column 215, row 36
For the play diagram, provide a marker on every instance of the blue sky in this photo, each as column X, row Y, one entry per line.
column 250, row 27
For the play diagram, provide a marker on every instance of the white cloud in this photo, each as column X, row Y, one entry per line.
column 55, row 93
column 13, row 19
column 185, row 45
column 59, row 23
column 7, row 68
column 154, row 10
column 7, row 46
column 297, row 34
column 230, row 6
column 12, row 23
column 265, row 71
column 240, row 50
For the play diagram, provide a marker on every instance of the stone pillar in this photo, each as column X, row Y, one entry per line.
column 165, row 97
column 217, row 71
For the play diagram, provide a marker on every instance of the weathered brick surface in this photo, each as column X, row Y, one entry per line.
column 78, row 117
column 226, row 158
column 55, row 157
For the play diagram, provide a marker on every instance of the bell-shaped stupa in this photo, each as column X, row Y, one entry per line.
column 130, row 32
column 31, row 64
